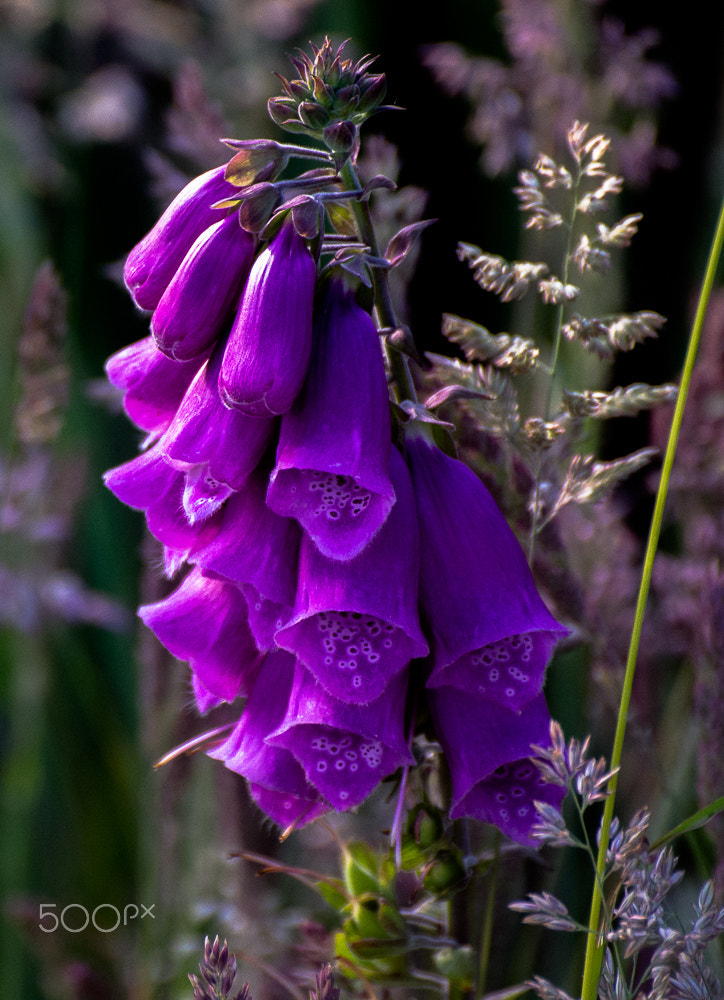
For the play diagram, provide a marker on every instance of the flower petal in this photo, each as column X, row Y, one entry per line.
column 152, row 263
column 491, row 632
column 199, row 297
column 355, row 624
column 488, row 750
column 204, row 433
column 204, row 621
column 148, row 483
column 152, row 384
column 345, row 750
column 334, row 444
column 277, row 781
column 258, row 550
column 267, row 353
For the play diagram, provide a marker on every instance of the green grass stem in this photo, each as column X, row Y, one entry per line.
column 594, row 949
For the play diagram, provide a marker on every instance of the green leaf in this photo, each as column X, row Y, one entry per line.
column 693, row 822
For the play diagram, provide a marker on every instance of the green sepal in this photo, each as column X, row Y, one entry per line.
column 360, row 870
column 332, row 892
column 457, row 965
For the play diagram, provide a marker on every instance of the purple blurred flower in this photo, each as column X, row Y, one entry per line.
column 202, row 292
column 204, row 621
column 267, row 353
column 491, row 632
column 148, row 483
column 345, row 750
column 487, row 748
column 276, row 780
column 258, row 550
column 334, row 444
column 355, row 624
column 152, row 384
column 217, row 447
column 152, row 263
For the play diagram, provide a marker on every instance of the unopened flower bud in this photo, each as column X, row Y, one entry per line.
column 373, row 90
column 256, row 160
column 341, row 137
column 257, row 206
column 313, row 115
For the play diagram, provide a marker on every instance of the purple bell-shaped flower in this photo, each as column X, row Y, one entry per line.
column 267, row 352
column 345, row 749
column 333, row 456
column 258, row 550
column 204, row 622
column 277, row 781
column 355, row 624
column 217, row 447
column 152, row 384
column 207, row 285
column 152, row 263
column 148, row 483
column 488, row 751
column 491, row 632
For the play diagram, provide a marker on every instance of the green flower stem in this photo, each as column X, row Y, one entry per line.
column 486, row 937
column 385, row 310
column 594, row 949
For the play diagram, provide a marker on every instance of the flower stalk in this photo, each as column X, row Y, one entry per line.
column 384, row 308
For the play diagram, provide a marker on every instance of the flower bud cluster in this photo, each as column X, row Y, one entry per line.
column 330, row 99
column 328, row 569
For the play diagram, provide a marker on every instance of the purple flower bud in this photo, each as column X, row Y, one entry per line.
column 334, row 444
column 491, row 632
column 153, row 262
column 152, row 384
column 199, row 297
column 258, row 550
column 355, row 624
column 223, row 446
column 148, row 483
column 345, row 750
column 487, row 747
column 204, row 621
column 267, row 353
column 277, row 780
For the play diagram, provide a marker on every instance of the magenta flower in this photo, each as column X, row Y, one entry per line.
column 149, row 484
column 217, row 447
column 196, row 303
column 204, row 622
column 276, row 780
column 488, row 750
column 267, row 353
column 152, row 384
column 345, row 749
column 355, row 624
column 152, row 263
column 491, row 632
column 258, row 550
column 334, row 444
